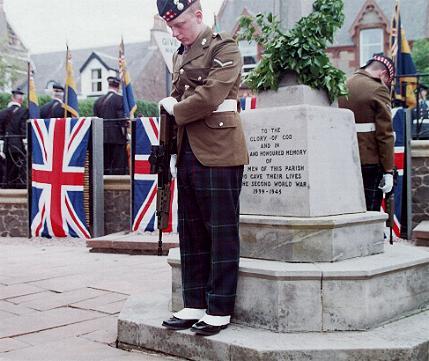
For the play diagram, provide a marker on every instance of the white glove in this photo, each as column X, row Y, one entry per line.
column 1, row 149
column 168, row 104
column 173, row 169
column 386, row 183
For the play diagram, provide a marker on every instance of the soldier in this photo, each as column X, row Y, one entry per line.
column 54, row 108
column 13, row 127
column 110, row 108
column 369, row 99
column 211, row 154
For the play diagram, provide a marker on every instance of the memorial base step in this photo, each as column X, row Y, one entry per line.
column 139, row 327
column 355, row 294
column 312, row 239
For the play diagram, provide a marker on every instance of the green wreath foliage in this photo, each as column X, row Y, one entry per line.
column 300, row 50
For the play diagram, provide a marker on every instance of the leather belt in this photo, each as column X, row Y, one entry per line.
column 365, row 127
column 228, row 105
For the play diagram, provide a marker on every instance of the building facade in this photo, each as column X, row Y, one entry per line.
column 365, row 30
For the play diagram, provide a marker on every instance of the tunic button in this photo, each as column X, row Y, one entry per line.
column 186, row 86
column 199, row 78
column 181, row 71
column 221, row 124
column 204, row 41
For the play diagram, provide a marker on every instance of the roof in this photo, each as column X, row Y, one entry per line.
column 109, row 62
column 414, row 15
column 231, row 11
column 51, row 66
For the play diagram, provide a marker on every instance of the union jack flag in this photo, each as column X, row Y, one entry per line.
column 59, row 148
column 145, row 184
column 248, row 103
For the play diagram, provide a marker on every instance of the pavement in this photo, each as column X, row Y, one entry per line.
column 59, row 302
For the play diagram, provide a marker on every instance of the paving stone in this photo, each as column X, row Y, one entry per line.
column 28, row 298
column 108, row 323
column 44, row 320
column 17, row 290
column 103, row 300
column 15, row 309
column 10, row 344
column 78, row 349
column 54, row 300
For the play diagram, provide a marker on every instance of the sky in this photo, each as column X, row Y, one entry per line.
column 46, row 25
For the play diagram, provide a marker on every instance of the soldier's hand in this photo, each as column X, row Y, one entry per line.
column 168, row 104
column 386, row 183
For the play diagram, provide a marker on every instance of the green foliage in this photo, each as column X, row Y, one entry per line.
column 420, row 55
column 86, row 107
column 300, row 50
column 4, row 100
column 146, row 109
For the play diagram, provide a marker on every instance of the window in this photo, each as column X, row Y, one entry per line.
column 371, row 42
column 97, row 84
column 249, row 51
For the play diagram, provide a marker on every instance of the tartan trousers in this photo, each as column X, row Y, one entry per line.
column 208, row 208
column 372, row 175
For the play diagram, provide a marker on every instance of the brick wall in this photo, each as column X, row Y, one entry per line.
column 13, row 213
column 420, row 180
column 116, row 204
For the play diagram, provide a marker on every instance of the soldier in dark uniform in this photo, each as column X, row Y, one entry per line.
column 369, row 99
column 211, row 155
column 110, row 108
column 13, row 128
column 54, row 108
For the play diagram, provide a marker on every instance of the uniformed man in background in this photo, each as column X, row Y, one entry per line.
column 369, row 99
column 211, row 154
column 54, row 108
column 13, row 129
column 110, row 108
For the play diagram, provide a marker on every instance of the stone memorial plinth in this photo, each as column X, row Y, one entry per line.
column 302, row 198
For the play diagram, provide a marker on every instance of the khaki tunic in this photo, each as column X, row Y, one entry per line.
column 203, row 77
column 369, row 100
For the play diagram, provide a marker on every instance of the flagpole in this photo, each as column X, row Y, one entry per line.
column 66, row 89
column 28, row 83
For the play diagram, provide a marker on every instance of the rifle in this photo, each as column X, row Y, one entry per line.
column 390, row 205
column 159, row 160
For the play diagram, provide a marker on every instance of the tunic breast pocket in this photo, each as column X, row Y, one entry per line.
column 197, row 76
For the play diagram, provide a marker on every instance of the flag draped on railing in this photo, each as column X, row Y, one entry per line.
column 403, row 87
column 127, row 90
column 59, row 151
column 33, row 102
column 144, row 183
column 71, row 104
column 248, row 103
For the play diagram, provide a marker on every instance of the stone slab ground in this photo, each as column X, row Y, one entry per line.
column 60, row 302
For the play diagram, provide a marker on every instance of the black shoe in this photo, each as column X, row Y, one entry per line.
column 175, row 323
column 204, row 329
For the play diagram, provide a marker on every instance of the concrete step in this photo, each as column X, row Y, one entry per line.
column 133, row 243
column 421, row 234
column 139, row 327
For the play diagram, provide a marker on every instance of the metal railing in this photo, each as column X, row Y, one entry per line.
column 13, row 161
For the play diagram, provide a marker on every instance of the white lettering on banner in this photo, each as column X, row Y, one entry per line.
column 167, row 45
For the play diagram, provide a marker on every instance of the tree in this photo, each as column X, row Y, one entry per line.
column 420, row 55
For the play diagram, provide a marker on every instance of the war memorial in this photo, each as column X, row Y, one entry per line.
column 316, row 281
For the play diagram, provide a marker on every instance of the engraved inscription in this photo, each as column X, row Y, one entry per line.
column 277, row 163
